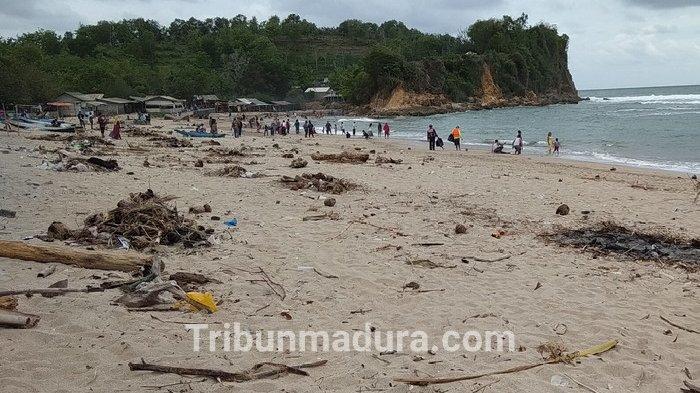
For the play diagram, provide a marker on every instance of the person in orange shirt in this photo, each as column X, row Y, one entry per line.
column 456, row 136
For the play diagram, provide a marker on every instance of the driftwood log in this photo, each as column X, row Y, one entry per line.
column 17, row 319
column 125, row 261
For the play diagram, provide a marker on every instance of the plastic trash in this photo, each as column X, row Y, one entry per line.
column 559, row 380
column 202, row 300
column 305, row 268
column 231, row 223
column 124, row 243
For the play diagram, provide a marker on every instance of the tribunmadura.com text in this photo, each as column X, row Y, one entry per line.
column 234, row 339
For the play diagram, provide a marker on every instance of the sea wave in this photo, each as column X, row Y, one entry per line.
column 682, row 166
column 652, row 99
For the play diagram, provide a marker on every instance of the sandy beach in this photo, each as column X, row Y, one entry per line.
column 364, row 256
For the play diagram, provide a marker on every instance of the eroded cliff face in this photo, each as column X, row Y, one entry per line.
column 489, row 95
column 404, row 102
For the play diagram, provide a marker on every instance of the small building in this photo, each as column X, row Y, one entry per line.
column 117, row 106
column 282, row 106
column 318, row 93
column 250, row 105
column 160, row 104
column 205, row 101
column 78, row 100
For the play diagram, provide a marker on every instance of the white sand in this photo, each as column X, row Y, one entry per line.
column 83, row 342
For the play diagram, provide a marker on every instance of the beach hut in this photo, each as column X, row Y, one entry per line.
column 78, row 100
column 318, row 93
column 205, row 100
column 281, row 106
column 251, row 105
column 161, row 104
column 117, row 106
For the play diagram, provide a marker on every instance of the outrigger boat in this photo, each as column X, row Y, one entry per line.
column 40, row 124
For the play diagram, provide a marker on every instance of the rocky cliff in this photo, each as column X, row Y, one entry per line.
column 489, row 95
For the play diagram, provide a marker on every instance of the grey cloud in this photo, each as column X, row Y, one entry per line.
column 659, row 4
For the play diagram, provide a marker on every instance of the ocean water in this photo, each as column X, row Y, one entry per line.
column 654, row 127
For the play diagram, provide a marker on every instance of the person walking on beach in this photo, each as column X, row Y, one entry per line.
column 81, row 118
column 296, row 125
column 386, row 130
column 116, row 131
column 102, row 122
column 328, row 127
column 379, row 129
column 518, row 143
column 432, row 135
column 456, row 135
column 550, row 143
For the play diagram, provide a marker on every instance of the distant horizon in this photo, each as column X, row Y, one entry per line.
column 636, row 87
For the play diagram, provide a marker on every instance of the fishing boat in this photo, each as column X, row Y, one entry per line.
column 199, row 134
column 40, row 124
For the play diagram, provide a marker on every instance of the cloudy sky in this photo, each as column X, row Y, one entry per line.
column 613, row 43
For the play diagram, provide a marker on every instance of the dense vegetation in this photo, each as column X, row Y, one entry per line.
column 278, row 59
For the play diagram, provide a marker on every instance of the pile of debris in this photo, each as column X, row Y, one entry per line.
column 344, row 157
column 143, row 220
column 231, row 171
column 612, row 239
column 142, row 132
column 319, row 181
column 387, row 160
column 170, row 141
column 78, row 164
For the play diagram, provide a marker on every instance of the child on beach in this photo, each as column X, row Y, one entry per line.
column 557, row 145
column 550, row 143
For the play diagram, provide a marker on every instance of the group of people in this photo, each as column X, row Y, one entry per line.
column 553, row 144
column 455, row 137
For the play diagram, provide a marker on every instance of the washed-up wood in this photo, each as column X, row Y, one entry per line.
column 568, row 358
column 259, row 371
column 678, row 326
column 49, row 291
column 8, row 302
column 125, row 261
column 16, row 319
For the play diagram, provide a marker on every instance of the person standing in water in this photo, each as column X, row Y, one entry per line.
column 386, row 130
column 456, row 136
column 550, row 143
column 518, row 143
column 557, row 145
column 379, row 129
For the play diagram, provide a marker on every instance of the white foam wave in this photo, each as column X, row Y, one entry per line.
column 653, row 99
column 687, row 167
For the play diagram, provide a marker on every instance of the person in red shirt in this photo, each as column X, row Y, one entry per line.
column 386, row 130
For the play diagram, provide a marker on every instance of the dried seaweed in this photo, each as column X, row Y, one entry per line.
column 144, row 219
column 319, row 181
column 613, row 239
column 344, row 157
